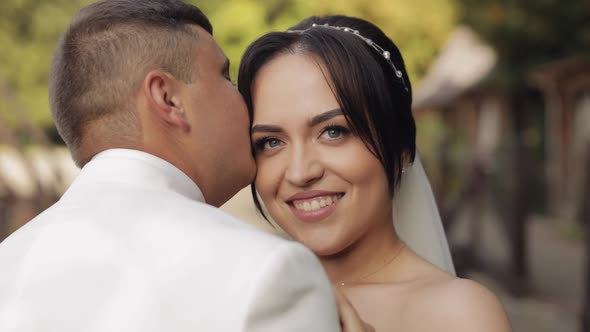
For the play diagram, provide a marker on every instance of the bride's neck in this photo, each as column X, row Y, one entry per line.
column 364, row 256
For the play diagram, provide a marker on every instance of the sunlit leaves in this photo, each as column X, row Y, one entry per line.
column 29, row 30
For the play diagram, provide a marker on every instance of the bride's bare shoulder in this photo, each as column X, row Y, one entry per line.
column 453, row 304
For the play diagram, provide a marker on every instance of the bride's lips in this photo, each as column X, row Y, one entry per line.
column 314, row 205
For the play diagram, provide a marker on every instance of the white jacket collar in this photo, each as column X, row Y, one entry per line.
column 139, row 168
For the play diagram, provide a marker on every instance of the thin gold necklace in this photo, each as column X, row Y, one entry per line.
column 385, row 264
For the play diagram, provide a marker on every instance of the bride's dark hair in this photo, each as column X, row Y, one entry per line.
column 374, row 100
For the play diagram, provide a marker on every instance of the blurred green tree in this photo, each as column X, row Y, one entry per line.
column 418, row 27
column 29, row 30
column 528, row 33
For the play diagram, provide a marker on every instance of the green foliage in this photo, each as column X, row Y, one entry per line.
column 29, row 30
column 418, row 27
column 529, row 33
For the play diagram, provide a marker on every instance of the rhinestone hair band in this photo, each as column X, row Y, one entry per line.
column 385, row 54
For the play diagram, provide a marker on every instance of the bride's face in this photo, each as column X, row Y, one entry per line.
column 317, row 179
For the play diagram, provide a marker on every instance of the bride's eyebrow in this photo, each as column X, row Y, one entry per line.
column 261, row 128
column 324, row 117
column 266, row 129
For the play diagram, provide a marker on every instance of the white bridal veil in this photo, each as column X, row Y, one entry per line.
column 416, row 218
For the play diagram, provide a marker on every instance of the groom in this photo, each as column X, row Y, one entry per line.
column 140, row 92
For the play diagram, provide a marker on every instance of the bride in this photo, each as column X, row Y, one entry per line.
column 334, row 140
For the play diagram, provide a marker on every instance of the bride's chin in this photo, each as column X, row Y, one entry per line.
column 324, row 242
column 324, row 249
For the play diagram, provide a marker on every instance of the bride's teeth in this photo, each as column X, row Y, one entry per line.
column 316, row 204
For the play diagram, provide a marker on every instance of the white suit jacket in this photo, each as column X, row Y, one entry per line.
column 132, row 246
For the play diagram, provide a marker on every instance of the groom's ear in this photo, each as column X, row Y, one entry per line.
column 164, row 96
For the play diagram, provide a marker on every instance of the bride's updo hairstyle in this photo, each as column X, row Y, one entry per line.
column 366, row 73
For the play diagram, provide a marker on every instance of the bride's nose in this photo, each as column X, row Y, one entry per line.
column 304, row 167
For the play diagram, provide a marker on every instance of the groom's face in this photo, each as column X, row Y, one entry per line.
column 218, row 113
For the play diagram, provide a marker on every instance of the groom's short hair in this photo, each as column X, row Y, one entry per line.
column 104, row 54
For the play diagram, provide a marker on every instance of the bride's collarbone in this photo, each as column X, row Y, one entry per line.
column 394, row 306
column 407, row 291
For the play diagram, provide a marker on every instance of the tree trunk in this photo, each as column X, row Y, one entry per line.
column 520, row 207
column 584, row 217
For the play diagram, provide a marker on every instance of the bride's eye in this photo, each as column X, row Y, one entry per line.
column 267, row 143
column 333, row 132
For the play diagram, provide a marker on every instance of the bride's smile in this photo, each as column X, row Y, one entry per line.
column 314, row 205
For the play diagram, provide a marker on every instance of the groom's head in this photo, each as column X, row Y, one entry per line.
column 148, row 75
